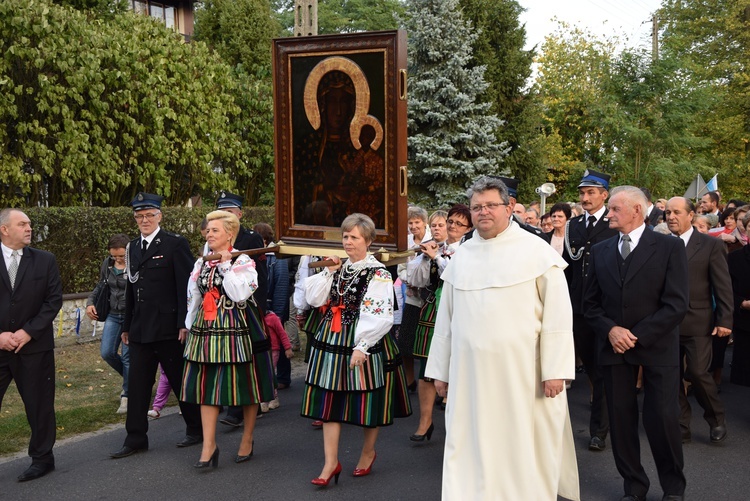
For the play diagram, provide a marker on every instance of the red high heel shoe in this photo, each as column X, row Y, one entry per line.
column 323, row 482
column 362, row 472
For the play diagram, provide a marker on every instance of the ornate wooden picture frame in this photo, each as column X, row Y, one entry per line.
column 340, row 136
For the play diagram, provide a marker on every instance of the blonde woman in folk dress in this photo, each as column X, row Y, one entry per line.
column 227, row 353
column 347, row 380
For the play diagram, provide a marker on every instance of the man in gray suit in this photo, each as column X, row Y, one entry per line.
column 709, row 282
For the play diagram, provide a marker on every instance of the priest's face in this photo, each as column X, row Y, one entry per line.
column 489, row 213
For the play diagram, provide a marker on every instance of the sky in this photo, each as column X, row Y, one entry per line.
column 629, row 18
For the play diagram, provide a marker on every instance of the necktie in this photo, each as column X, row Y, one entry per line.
column 144, row 245
column 590, row 226
column 625, row 250
column 13, row 269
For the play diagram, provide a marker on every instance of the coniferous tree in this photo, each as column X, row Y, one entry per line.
column 500, row 47
column 451, row 131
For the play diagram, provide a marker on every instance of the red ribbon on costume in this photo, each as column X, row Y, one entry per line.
column 209, row 304
column 336, row 321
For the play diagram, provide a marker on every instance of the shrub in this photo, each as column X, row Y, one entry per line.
column 78, row 236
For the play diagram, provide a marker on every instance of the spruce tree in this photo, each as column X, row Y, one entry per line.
column 452, row 133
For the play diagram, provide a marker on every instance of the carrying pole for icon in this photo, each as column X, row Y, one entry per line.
column 249, row 252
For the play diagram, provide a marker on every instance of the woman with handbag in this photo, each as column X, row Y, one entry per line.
column 107, row 303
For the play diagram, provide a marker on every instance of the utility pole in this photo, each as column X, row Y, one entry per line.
column 654, row 38
column 305, row 18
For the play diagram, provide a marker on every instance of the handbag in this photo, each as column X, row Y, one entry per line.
column 101, row 301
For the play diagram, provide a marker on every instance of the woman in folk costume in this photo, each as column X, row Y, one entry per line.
column 227, row 353
column 424, row 272
column 347, row 378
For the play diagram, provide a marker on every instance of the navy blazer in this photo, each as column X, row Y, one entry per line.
column 35, row 301
column 650, row 301
column 577, row 270
column 156, row 304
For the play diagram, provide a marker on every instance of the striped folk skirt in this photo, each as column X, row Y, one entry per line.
column 409, row 322
column 368, row 408
column 249, row 379
column 426, row 326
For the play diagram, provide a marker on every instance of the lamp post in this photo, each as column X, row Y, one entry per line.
column 544, row 191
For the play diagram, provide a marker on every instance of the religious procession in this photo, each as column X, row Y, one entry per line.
column 473, row 315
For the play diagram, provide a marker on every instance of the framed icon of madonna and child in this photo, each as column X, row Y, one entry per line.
column 340, row 136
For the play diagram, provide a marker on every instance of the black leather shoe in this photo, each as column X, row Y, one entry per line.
column 125, row 452
column 718, row 433
column 633, row 497
column 597, row 444
column 231, row 421
column 686, row 437
column 673, row 497
column 189, row 440
column 36, row 470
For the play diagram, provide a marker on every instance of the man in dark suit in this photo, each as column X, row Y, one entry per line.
column 158, row 266
column 709, row 282
column 246, row 239
column 654, row 215
column 636, row 296
column 30, row 298
column 581, row 234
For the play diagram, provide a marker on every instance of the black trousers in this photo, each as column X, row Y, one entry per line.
column 34, row 375
column 144, row 360
column 587, row 348
column 660, row 420
column 696, row 352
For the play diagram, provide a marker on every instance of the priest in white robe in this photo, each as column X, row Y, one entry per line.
column 502, row 350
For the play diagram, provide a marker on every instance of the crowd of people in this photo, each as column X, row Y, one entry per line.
column 642, row 296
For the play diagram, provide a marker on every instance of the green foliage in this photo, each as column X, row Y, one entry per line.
column 93, row 112
column 451, row 131
column 499, row 47
column 223, row 26
column 102, row 8
column 78, row 236
column 345, row 16
column 711, row 41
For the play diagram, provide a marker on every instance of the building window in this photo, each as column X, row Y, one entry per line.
column 165, row 13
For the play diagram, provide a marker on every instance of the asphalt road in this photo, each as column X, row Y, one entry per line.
column 289, row 453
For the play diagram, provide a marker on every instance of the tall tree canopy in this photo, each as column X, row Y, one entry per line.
column 451, row 131
column 93, row 111
column 345, row 16
column 711, row 41
column 223, row 25
column 499, row 46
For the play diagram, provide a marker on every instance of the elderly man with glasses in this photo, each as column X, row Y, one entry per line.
column 158, row 264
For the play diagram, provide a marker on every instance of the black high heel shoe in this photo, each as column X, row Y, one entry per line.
column 241, row 459
column 213, row 461
column 420, row 438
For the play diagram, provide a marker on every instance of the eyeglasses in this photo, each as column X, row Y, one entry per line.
column 476, row 209
column 457, row 223
column 145, row 217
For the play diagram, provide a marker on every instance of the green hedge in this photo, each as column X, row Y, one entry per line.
column 78, row 236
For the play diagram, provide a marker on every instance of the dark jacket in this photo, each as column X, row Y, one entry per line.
column 709, row 284
column 577, row 270
column 35, row 301
column 117, row 284
column 739, row 271
column 156, row 302
column 650, row 301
